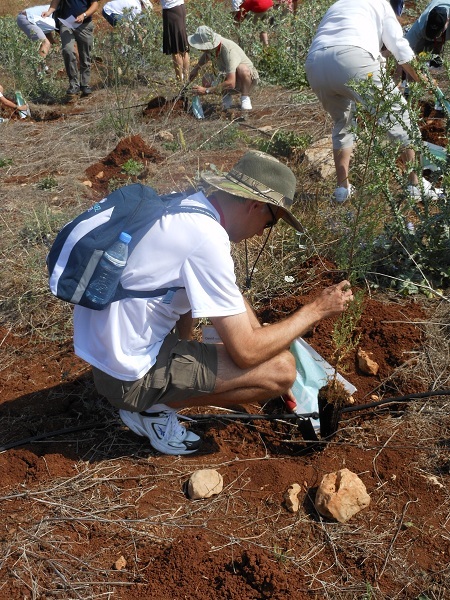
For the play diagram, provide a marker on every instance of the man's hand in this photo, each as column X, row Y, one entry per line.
column 333, row 300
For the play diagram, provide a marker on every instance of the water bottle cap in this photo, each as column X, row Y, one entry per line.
column 125, row 237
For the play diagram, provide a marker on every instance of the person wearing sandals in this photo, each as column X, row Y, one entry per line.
column 175, row 41
column 228, row 59
column 145, row 359
column 347, row 46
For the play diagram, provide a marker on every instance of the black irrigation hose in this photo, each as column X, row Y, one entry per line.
column 236, row 416
column 232, row 417
column 406, row 398
column 49, row 434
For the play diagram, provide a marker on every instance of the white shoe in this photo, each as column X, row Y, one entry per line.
column 424, row 191
column 341, row 194
column 161, row 427
column 246, row 103
column 227, row 101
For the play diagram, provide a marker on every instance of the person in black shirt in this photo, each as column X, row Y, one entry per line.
column 79, row 32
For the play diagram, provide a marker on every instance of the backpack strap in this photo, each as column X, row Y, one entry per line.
column 167, row 292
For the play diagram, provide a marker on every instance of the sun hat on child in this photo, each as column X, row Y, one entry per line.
column 204, row 38
column 260, row 176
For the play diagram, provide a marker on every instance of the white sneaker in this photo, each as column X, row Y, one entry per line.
column 162, row 428
column 246, row 103
column 426, row 191
column 341, row 194
column 227, row 101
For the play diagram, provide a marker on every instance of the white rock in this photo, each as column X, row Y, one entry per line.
column 320, row 157
column 341, row 495
column 290, row 497
column 204, row 484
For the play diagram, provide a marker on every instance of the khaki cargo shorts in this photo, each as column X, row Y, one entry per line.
column 183, row 369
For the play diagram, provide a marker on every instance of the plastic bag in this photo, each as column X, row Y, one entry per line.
column 313, row 372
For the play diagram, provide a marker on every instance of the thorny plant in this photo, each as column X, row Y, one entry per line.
column 392, row 238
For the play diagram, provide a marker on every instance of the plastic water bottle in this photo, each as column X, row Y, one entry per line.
column 105, row 279
column 21, row 102
column 197, row 108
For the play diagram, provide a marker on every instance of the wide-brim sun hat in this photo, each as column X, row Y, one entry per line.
column 204, row 38
column 260, row 176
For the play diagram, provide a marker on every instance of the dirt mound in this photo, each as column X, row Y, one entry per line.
column 160, row 104
column 111, row 167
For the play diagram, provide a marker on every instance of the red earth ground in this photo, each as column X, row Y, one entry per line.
column 75, row 502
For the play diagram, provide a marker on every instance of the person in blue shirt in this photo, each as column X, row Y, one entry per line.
column 77, row 32
column 430, row 32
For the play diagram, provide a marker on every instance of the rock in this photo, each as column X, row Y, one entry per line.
column 120, row 564
column 366, row 364
column 166, row 136
column 87, row 183
column 204, row 484
column 291, row 500
column 100, row 175
column 341, row 495
column 320, row 157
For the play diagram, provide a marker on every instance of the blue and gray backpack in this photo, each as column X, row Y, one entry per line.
column 80, row 244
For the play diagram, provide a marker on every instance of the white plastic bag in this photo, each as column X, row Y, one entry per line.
column 313, row 373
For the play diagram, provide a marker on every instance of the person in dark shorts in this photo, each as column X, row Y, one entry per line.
column 175, row 40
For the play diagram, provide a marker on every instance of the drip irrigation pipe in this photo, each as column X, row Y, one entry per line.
column 232, row 417
column 406, row 398
column 235, row 416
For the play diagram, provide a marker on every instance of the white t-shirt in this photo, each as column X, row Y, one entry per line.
column 190, row 250
column 165, row 4
column 34, row 15
column 117, row 7
column 365, row 24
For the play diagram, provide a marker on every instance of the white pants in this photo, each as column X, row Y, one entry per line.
column 329, row 70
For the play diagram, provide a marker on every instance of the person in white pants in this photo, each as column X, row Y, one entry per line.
column 346, row 47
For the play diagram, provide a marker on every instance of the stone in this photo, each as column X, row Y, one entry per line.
column 204, row 484
column 320, row 157
column 290, row 497
column 341, row 495
column 87, row 183
column 366, row 364
column 164, row 135
column 120, row 564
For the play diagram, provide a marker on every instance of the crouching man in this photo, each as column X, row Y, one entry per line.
column 228, row 59
column 147, row 371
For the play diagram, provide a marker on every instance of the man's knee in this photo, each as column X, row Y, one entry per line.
column 243, row 72
column 283, row 372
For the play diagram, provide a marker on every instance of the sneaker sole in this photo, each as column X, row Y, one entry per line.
column 155, row 443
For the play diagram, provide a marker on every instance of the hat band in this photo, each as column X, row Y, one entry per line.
column 256, row 186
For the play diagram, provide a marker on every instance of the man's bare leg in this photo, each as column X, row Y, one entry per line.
column 238, row 386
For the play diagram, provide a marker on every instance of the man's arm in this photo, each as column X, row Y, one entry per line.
column 51, row 9
column 204, row 58
column 90, row 11
column 249, row 344
column 229, row 83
